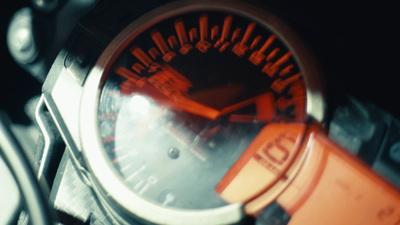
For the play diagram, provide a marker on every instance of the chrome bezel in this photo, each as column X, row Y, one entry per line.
column 105, row 176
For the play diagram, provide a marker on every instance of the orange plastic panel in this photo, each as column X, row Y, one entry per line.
column 267, row 197
column 333, row 187
column 263, row 163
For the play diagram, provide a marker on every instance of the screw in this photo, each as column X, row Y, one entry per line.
column 173, row 153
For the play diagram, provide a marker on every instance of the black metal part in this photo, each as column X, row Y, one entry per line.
column 81, row 57
column 369, row 133
column 274, row 214
column 46, row 6
column 387, row 162
column 357, row 128
column 109, row 17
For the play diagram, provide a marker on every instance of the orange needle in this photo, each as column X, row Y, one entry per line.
column 238, row 106
column 196, row 108
column 172, row 88
column 265, row 106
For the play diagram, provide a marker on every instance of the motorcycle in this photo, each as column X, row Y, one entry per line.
column 199, row 112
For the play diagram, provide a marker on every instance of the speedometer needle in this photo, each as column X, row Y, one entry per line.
column 265, row 105
column 169, row 87
column 238, row 106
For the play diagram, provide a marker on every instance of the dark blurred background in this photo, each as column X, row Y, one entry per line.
column 356, row 43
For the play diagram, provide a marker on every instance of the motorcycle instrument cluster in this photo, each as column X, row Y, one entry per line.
column 200, row 112
column 183, row 96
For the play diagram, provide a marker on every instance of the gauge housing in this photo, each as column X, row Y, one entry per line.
column 116, row 196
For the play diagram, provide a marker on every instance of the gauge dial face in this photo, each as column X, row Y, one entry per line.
column 181, row 97
column 186, row 98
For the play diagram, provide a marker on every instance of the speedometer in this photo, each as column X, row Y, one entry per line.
column 180, row 95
